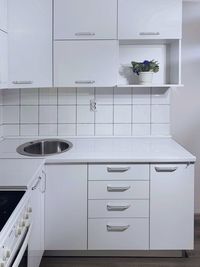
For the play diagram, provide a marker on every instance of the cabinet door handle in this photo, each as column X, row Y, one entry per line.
column 85, row 82
column 45, row 180
column 84, row 33
column 117, row 188
column 37, row 183
column 149, row 33
column 118, row 169
column 117, row 228
column 111, row 207
column 166, row 169
column 22, row 82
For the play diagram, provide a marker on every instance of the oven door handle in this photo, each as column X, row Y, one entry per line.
column 23, row 248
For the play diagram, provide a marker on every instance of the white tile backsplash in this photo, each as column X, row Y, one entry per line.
column 66, row 112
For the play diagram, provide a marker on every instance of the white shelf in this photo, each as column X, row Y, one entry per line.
column 148, row 85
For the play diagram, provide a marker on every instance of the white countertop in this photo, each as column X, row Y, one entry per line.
column 143, row 150
column 17, row 173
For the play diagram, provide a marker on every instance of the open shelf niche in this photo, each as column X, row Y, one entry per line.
column 166, row 52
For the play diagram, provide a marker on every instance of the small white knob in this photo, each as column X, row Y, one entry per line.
column 22, row 223
column 18, row 231
column 30, row 209
column 2, row 264
column 6, row 253
column 26, row 216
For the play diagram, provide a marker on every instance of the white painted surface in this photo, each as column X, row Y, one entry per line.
column 66, row 207
column 136, row 237
column 30, row 43
column 185, row 102
column 150, row 16
column 89, row 19
column 3, row 60
column 172, row 208
column 3, row 15
column 121, row 150
column 85, row 63
column 19, row 173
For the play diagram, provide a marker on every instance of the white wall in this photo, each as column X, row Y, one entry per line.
column 186, row 101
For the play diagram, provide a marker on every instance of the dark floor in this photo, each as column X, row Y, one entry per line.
column 192, row 261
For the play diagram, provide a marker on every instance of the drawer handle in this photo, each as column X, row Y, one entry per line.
column 85, row 82
column 149, row 33
column 84, row 33
column 117, row 188
column 117, row 228
column 22, row 82
column 117, row 208
column 118, row 169
column 166, row 169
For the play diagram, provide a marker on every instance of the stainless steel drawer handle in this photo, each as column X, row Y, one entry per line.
column 118, row 169
column 84, row 33
column 117, row 188
column 37, row 183
column 111, row 207
column 85, row 82
column 117, row 228
column 22, row 82
column 166, row 169
column 149, row 33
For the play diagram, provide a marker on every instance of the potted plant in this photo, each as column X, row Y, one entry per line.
column 145, row 70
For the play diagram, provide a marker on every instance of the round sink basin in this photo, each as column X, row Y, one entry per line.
column 44, row 147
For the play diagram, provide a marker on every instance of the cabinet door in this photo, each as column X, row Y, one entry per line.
column 172, row 207
column 3, row 60
column 66, row 207
column 88, row 19
column 3, row 15
column 85, row 63
column 150, row 19
column 30, row 43
column 36, row 244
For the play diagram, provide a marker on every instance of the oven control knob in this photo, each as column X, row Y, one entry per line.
column 6, row 253
column 18, row 231
column 22, row 223
column 2, row 264
column 29, row 209
column 26, row 216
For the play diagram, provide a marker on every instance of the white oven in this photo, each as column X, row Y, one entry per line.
column 15, row 235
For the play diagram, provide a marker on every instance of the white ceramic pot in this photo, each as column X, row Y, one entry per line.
column 145, row 77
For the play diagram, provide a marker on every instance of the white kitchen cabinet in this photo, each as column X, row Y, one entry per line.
column 3, row 60
column 66, row 207
column 30, row 43
column 36, row 243
column 85, row 63
column 172, row 207
column 3, row 15
column 150, row 19
column 88, row 19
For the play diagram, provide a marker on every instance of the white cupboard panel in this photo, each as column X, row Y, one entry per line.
column 30, row 43
column 118, row 190
column 66, row 207
column 88, row 19
column 118, row 208
column 85, row 63
column 3, row 15
column 119, row 172
column 3, row 60
column 150, row 19
column 120, row 233
column 172, row 207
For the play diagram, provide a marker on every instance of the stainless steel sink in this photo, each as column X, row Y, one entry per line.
column 44, row 147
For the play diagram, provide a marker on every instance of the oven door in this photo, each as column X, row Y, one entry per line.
column 21, row 259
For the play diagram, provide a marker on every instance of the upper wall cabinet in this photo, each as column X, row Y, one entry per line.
column 3, row 60
column 3, row 15
column 88, row 19
column 150, row 19
column 30, row 43
column 85, row 63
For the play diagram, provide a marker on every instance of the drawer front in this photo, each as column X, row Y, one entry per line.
column 118, row 190
column 111, row 234
column 116, row 208
column 119, row 172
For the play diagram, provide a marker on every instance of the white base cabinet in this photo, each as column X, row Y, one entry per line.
column 66, row 207
column 172, row 207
